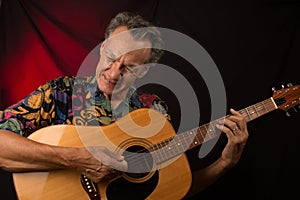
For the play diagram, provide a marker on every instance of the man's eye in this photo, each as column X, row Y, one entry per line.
column 110, row 59
column 124, row 68
column 128, row 69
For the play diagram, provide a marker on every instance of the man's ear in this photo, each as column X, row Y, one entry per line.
column 102, row 47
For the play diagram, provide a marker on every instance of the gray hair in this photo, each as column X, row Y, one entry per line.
column 136, row 24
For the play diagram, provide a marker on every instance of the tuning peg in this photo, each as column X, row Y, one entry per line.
column 287, row 114
column 282, row 86
column 289, row 84
column 273, row 89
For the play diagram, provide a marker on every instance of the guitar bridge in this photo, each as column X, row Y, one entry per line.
column 90, row 188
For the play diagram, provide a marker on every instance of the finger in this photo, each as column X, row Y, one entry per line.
column 225, row 130
column 234, row 112
column 120, row 166
column 231, row 124
column 113, row 155
column 101, row 153
column 106, row 157
column 240, row 123
column 238, row 118
column 104, row 171
column 109, row 159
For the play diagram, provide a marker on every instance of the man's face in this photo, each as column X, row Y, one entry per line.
column 121, row 62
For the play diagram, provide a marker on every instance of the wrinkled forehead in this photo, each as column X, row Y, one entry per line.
column 122, row 42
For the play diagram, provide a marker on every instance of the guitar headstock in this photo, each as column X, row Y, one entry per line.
column 287, row 98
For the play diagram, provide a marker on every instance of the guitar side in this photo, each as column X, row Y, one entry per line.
column 149, row 127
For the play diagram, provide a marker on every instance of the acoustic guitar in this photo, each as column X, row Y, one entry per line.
column 157, row 165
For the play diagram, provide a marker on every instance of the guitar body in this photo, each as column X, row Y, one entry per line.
column 168, row 180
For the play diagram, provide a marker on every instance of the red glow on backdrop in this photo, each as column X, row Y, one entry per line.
column 43, row 40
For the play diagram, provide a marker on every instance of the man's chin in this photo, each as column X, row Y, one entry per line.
column 117, row 93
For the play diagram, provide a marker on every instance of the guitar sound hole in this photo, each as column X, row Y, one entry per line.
column 140, row 162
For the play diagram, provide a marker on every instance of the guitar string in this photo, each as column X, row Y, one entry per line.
column 135, row 158
column 263, row 107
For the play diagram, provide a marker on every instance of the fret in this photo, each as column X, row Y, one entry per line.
column 160, row 150
column 195, row 140
column 182, row 141
column 155, row 153
column 201, row 132
column 260, row 109
column 266, row 109
column 245, row 115
column 256, row 110
column 187, row 139
column 269, row 104
column 164, row 148
column 199, row 138
column 210, row 131
column 248, row 114
column 169, row 148
column 191, row 137
column 266, row 104
column 207, row 136
column 252, row 112
column 178, row 143
column 205, row 132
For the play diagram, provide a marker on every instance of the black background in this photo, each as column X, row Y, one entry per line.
column 255, row 45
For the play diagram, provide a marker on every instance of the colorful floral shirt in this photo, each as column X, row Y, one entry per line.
column 72, row 100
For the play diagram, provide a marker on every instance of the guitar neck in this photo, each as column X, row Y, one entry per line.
column 182, row 142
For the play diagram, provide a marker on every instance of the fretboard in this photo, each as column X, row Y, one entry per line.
column 182, row 142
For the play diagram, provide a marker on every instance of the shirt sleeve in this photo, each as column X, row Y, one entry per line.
column 153, row 101
column 31, row 113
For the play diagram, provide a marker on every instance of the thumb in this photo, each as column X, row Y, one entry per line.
column 114, row 156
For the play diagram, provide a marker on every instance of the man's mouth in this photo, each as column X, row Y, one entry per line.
column 108, row 81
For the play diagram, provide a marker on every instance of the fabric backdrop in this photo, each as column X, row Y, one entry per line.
column 254, row 43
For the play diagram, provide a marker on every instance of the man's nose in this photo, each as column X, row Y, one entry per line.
column 116, row 69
